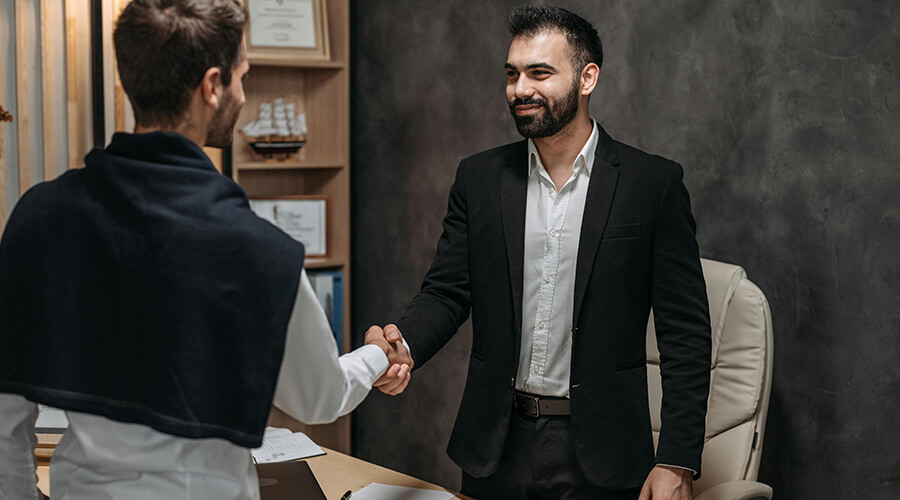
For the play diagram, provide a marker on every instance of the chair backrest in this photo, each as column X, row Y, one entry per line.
column 740, row 380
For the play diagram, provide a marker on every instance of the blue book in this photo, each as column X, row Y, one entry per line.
column 329, row 287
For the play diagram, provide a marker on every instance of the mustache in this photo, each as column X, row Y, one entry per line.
column 527, row 102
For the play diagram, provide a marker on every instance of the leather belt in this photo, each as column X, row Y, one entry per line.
column 532, row 405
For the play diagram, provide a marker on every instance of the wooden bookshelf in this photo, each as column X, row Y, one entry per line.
column 321, row 89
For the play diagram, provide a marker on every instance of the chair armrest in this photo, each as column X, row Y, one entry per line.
column 737, row 490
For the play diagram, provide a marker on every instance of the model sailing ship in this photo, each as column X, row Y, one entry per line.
column 277, row 132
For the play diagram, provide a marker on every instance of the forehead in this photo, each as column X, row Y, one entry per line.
column 550, row 47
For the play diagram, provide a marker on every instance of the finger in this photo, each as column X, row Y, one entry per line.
column 402, row 387
column 396, row 381
column 392, row 333
column 388, row 385
column 645, row 492
column 402, row 381
column 373, row 333
column 388, row 376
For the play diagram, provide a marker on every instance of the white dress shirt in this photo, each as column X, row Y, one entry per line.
column 552, row 230
column 100, row 459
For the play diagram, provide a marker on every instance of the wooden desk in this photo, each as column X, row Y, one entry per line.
column 336, row 473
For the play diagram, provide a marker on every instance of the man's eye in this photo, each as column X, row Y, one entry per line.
column 511, row 74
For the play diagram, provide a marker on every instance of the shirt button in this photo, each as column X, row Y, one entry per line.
column 546, row 279
column 536, row 369
column 541, row 324
column 553, row 233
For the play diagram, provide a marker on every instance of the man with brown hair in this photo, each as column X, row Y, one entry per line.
column 144, row 297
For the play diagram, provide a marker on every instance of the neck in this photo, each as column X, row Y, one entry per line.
column 186, row 128
column 558, row 152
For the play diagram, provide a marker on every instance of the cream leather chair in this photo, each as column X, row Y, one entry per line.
column 740, row 383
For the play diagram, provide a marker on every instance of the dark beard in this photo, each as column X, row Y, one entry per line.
column 221, row 132
column 556, row 115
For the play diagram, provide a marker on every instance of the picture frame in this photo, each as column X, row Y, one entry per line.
column 304, row 218
column 287, row 32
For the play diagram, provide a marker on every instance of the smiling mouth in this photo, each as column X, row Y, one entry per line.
column 527, row 108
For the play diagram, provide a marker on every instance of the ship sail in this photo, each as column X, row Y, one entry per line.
column 276, row 122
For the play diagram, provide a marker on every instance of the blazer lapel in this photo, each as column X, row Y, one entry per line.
column 601, row 189
column 513, row 193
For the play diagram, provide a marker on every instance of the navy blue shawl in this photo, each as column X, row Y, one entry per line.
column 142, row 288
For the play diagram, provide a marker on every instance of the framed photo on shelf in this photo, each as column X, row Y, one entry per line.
column 287, row 31
column 303, row 218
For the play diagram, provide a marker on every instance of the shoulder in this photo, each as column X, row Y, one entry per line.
column 632, row 156
column 649, row 168
column 50, row 195
column 500, row 155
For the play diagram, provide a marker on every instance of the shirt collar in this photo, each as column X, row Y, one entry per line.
column 585, row 156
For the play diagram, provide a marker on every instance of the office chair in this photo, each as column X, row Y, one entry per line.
column 740, row 384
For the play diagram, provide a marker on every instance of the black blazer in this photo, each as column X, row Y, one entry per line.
column 637, row 249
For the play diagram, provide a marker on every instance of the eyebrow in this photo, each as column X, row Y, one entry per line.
column 536, row 65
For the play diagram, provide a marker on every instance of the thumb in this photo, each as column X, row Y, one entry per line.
column 645, row 492
column 392, row 333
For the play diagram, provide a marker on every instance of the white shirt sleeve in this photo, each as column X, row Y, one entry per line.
column 315, row 385
column 17, row 442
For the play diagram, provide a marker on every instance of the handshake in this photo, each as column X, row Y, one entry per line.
column 397, row 376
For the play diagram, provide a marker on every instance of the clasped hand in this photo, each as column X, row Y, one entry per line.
column 397, row 376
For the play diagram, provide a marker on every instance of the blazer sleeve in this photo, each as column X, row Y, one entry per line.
column 442, row 305
column 681, row 312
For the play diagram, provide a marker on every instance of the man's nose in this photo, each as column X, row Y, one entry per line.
column 523, row 88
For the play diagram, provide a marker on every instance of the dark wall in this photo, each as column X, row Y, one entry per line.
column 784, row 114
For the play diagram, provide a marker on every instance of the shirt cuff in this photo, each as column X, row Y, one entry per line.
column 693, row 472
column 406, row 345
column 369, row 358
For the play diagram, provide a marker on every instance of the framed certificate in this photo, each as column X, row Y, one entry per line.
column 287, row 31
column 303, row 218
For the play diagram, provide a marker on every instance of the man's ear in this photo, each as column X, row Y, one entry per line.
column 211, row 87
column 589, row 77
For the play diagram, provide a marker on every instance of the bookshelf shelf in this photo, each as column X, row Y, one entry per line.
column 292, row 165
column 321, row 89
column 324, row 263
column 294, row 63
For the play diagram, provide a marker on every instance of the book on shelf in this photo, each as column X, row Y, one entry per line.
column 329, row 288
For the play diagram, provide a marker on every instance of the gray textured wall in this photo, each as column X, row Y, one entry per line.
column 785, row 116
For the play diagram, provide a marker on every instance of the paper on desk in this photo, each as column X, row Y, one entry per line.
column 271, row 432
column 281, row 445
column 378, row 491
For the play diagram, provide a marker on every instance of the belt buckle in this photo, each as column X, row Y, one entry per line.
column 537, row 405
column 526, row 397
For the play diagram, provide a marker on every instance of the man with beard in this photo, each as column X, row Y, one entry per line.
column 560, row 245
column 144, row 297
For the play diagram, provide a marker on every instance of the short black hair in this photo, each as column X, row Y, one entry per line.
column 164, row 47
column 582, row 36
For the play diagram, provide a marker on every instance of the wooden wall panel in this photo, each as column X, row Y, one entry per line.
column 22, row 82
column 2, row 155
column 45, row 85
column 78, row 80
column 47, row 75
column 120, row 117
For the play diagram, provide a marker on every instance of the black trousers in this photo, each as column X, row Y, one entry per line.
column 538, row 462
